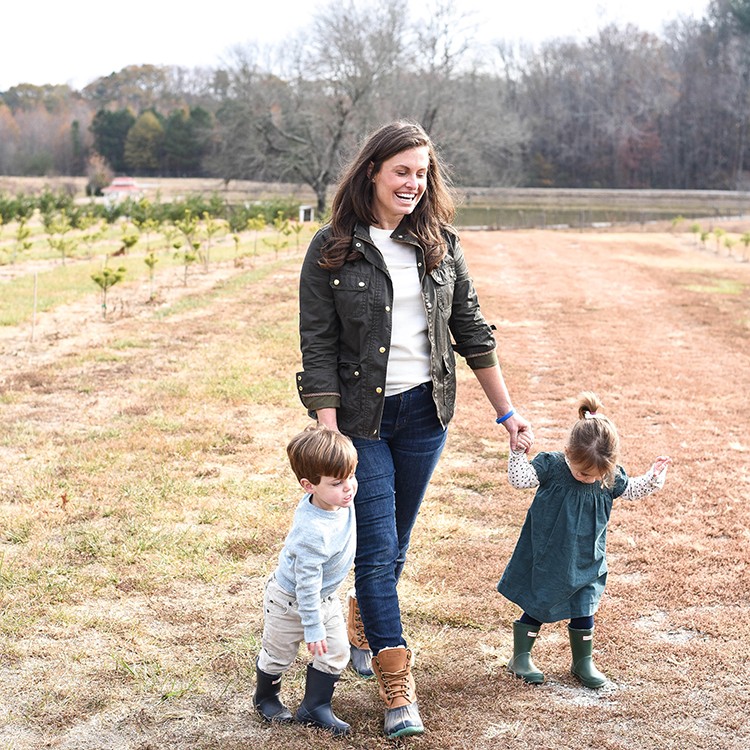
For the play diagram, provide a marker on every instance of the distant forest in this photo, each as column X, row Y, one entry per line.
column 621, row 109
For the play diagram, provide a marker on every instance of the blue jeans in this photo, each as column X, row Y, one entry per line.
column 393, row 474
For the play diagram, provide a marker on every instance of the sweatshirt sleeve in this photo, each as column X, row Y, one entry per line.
column 309, row 574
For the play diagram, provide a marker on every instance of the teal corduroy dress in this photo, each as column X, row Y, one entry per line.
column 558, row 569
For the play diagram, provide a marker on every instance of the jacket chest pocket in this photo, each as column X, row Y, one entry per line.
column 349, row 294
column 444, row 278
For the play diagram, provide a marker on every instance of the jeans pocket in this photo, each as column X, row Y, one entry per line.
column 275, row 606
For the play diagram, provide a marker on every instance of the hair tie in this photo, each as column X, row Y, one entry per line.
column 590, row 415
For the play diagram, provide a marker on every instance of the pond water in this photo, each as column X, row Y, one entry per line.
column 502, row 217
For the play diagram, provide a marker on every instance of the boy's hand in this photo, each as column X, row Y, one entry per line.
column 318, row 648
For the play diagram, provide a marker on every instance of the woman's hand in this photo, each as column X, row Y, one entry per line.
column 660, row 464
column 328, row 418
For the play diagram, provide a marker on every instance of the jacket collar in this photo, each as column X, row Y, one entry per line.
column 400, row 234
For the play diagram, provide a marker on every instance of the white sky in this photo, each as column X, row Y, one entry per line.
column 49, row 41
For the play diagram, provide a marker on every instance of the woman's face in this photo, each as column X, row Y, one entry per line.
column 400, row 184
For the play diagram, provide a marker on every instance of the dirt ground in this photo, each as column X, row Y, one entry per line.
column 659, row 327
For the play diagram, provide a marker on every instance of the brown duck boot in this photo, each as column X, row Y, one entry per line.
column 392, row 667
column 361, row 655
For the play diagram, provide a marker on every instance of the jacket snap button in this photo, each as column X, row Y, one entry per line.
column 356, row 373
column 378, row 390
column 361, row 283
column 387, row 308
column 336, row 282
column 382, row 350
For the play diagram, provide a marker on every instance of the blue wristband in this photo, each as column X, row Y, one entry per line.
column 502, row 419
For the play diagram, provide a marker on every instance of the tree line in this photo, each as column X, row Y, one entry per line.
column 621, row 109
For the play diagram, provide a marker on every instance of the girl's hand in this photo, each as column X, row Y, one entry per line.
column 318, row 648
column 524, row 441
column 661, row 464
column 520, row 432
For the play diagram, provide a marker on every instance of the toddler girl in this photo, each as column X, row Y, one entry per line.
column 558, row 569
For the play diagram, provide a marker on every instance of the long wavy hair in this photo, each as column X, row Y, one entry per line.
column 354, row 198
column 593, row 443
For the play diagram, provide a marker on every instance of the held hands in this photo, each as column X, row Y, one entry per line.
column 520, row 433
column 524, row 441
column 318, row 648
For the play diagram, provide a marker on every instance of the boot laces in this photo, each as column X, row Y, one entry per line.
column 360, row 639
column 396, row 684
column 359, row 628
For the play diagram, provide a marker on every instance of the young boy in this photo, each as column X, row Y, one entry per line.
column 301, row 600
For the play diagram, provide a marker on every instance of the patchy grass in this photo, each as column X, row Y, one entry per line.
column 145, row 495
column 718, row 286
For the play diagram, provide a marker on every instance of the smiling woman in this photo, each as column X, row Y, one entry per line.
column 384, row 290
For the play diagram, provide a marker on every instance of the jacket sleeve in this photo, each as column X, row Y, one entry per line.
column 472, row 334
column 318, row 382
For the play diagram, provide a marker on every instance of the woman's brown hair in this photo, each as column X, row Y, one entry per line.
column 354, row 198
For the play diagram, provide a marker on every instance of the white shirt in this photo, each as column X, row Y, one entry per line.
column 409, row 356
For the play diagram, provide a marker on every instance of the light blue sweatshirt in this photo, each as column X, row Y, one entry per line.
column 317, row 555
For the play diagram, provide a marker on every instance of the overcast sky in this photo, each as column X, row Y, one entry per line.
column 50, row 41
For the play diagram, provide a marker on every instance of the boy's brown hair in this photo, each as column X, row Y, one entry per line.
column 317, row 451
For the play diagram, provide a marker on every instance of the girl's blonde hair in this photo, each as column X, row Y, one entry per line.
column 593, row 444
column 317, row 451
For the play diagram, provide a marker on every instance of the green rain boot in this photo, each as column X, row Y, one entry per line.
column 583, row 667
column 524, row 637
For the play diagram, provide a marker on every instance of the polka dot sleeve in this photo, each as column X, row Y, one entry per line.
column 521, row 474
column 642, row 486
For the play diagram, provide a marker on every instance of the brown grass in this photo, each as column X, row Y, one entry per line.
column 145, row 495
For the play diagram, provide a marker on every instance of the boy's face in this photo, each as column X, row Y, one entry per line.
column 332, row 493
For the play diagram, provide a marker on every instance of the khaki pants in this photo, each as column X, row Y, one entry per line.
column 283, row 633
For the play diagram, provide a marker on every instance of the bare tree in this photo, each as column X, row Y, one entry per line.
column 327, row 101
column 594, row 109
column 10, row 135
column 739, row 16
column 443, row 40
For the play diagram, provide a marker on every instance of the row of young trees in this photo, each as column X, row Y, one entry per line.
column 623, row 108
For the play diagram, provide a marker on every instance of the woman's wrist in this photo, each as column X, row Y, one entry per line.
column 505, row 417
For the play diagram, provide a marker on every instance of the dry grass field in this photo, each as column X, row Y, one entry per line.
column 144, row 496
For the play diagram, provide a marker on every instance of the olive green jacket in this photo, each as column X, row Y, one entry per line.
column 345, row 330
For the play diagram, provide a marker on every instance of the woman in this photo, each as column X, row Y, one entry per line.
column 383, row 289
